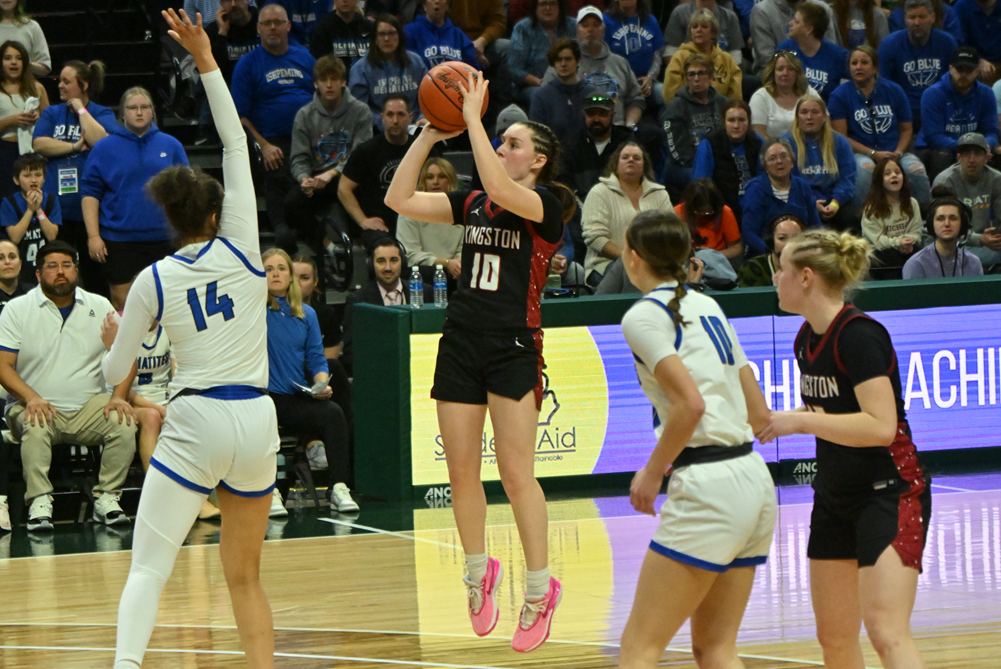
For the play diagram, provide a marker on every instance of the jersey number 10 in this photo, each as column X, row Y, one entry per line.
column 214, row 304
column 717, row 333
column 486, row 271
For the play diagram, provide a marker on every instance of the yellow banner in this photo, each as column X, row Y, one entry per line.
column 571, row 424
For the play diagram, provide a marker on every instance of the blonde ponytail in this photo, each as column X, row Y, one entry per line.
column 840, row 258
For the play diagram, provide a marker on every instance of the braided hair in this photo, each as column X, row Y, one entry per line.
column 545, row 143
column 664, row 243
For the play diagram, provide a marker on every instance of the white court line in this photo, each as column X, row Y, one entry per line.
column 339, row 630
column 309, row 656
column 390, row 533
column 949, row 487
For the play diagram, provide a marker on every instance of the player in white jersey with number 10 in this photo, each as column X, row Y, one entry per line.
column 719, row 517
column 220, row 431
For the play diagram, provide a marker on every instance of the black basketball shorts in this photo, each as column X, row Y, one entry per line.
column 471, row 364
column 861, row 526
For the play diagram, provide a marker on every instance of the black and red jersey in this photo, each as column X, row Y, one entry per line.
column 854, row 349
column 505, row 260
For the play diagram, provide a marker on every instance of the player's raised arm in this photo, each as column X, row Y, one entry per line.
column 239, row 210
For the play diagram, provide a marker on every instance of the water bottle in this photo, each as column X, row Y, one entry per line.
column 440, row 287
column 416, row 288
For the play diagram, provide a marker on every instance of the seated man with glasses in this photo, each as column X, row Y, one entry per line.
column 695, row 111
column 127, row 232
column 50, row 363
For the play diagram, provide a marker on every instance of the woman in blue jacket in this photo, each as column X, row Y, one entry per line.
column 528, row 56
column 825, row 159
column 775, row 192
column 65, row 134
column 126, row 231
column 387, row 69
column 295, row 363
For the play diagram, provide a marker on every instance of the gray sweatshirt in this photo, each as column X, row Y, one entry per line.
column 770, row 25
column 323, row 140
column 982, row 196
column 612, row 74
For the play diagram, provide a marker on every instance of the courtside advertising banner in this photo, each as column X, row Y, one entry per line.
column 595, row 418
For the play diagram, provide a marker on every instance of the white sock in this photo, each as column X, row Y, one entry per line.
column 476, row 565
column 536, row 583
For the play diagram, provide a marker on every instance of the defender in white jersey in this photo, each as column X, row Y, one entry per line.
column 719, row 517
column 220, row 429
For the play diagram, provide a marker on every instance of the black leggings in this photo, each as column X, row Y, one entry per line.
column 310, row 418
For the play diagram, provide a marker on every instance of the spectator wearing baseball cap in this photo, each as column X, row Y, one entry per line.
column 981, row 23
column 588, row 152
column 979, row 187
column 956, row 105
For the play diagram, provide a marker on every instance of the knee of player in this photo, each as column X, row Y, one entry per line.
column 149, row 420
column 884, row 633
column 714, row 655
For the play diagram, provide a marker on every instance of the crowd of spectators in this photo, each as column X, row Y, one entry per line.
column 753, row 121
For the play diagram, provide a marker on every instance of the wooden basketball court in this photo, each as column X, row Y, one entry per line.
column 368, row 599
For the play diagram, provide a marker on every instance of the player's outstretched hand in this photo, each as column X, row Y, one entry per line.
column 188, row 34
column 472, row 102
column 644, row 489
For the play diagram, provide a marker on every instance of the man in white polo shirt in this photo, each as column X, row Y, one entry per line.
column 50, row 363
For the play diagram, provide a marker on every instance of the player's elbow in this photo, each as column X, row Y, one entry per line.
column 886, row 432
column 694, row 408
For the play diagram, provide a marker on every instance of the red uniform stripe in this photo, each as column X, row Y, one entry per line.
column 910, row 541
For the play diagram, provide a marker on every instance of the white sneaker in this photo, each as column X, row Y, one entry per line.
column 278, row 509
column 107, row 510
column 4, row 514
column 40, row 513
column 340, row 499
column 317, row 456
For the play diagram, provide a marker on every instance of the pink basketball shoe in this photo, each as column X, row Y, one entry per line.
column 483, row 609
column 537, row 619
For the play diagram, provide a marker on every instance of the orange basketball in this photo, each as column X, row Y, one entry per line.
column 441, row 95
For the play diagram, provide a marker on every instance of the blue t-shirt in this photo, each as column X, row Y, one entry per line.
column 981, row 30
column 65, row 172
column 874, row 122
column 33, row 238
column 635, row 41
column 915, row 68
column 950, row 22
column 269, row 90
column 825, row 69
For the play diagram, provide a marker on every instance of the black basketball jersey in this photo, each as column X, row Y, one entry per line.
column 854, row 349
column 505, row 260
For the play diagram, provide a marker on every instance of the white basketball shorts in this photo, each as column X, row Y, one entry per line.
column 718, row 515
column 209, row 442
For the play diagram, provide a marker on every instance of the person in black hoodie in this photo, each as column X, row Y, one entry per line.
column 696, row 110
column 729, row 155
column 344, row 33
